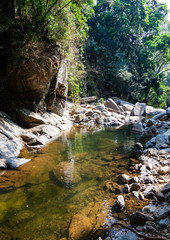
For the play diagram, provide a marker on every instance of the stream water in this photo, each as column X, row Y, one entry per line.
column 34, row 205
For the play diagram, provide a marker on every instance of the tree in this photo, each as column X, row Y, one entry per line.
column 126, row 47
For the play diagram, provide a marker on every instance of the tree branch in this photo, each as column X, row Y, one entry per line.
column 137, row 233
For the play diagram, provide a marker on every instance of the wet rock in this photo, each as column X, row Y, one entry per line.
column 134, row 180
column 13, row 162
column 135, row 187
column 138, row 127
column 138, row 219
column 166, row 189
column 80, row 227
column 164, row 222
column 121, row 202
column 66, row 173
column 111, row 104
column 139, row 109
column 151, row 143
column 125, row 178
column 138, row 149
column 128, row 236
column 149, row 192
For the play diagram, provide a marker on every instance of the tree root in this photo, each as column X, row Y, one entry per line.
column 137, row 233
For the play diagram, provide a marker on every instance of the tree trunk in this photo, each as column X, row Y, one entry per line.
column 146, row 100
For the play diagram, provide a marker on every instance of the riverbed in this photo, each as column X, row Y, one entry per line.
column 35, row 205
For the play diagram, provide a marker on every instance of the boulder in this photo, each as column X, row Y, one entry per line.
column 138, row 127
column 79, row 118
column 125, row 105
column 166, row 189
column 159, row 115
column 139, row 109
column 80, row 227
column 28, row 119
column 88, row 99
column 100, row 107
column 164, row 222
column 162, row 139
column 149, row 192
column 111, row 104
column 66, row 173
column 135, row 187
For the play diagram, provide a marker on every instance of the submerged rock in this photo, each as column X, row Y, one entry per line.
column 66, row 173
column 80, row 227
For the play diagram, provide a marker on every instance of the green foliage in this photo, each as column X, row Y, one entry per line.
column 46, row 24
column 126, row 51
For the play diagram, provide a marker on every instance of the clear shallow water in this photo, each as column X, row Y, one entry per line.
column 34, row 205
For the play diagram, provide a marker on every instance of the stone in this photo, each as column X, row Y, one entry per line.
column 57, row 106
column 79, row 118
column 66, row 173
column 89, row 113
column 139, row 109
column 151, row 143
column 138, row 127
column 164, row 222
column 125, row 178
column 141, row 197
column 166, row 188
column 159, row 115
column 138, row 219
column 121, row 202
column 13, row 162
column 162, row 139
column 111, row 104
column 135, row 187
column 100, row 107
column 160, row 196
column 146, row 179
column 88, row 99
column 138, row 149
column 28, row 119
column 149, row 192
column 80, row 227
column 126, row 105
column 135, row 194
column 164, row 170
column 168, row 198
column 134, row 180
column 150, row 122
column 127, row 188
column 128, row 236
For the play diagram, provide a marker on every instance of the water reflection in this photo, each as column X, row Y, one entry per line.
column 41, row 204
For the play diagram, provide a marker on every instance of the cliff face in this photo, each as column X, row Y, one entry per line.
column 42, row 85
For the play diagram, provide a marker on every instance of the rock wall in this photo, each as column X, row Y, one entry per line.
column 43, row 86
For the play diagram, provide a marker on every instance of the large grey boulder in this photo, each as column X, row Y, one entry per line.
column 28, row 119
column 111, row 104
column 163, row 139
column 139, row 109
